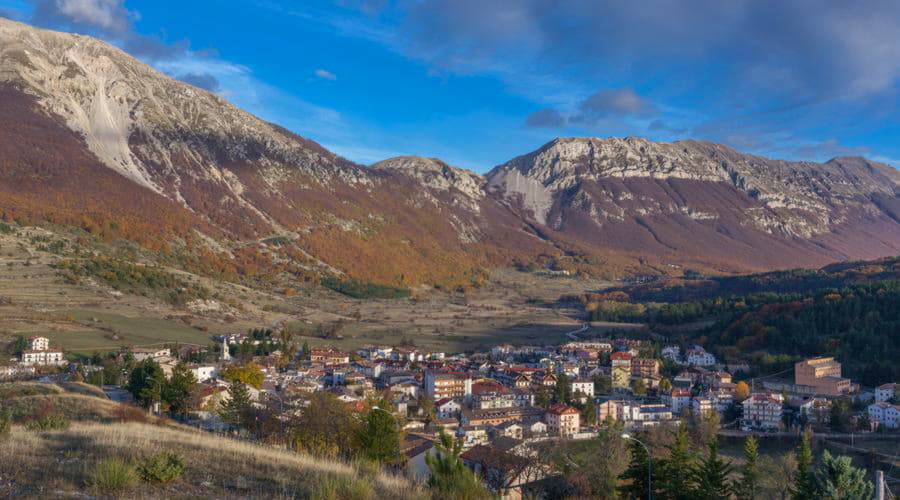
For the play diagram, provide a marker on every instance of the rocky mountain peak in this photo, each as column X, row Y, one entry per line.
column 435, row 174
column 139, row 155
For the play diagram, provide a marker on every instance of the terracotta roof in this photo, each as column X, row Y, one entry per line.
column 562, row 409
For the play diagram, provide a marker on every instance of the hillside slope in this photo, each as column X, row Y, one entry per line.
column 93, row 139
column 705, row 204
column 59, row 463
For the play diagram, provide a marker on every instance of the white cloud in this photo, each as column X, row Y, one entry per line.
column 325, row 74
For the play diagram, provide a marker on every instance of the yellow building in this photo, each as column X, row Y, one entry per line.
column 824, row 374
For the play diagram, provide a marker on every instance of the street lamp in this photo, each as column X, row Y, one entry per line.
column 397, row 423
column 649, row 464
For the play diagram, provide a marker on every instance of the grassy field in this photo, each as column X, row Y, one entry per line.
column 130, row 330
column 85, row 316
column 458, row 341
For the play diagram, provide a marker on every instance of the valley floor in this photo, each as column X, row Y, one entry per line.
column 515, row 307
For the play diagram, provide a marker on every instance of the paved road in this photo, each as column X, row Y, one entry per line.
column 817, row 435
column 573, row 335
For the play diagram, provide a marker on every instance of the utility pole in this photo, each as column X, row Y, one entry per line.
column 879, row 485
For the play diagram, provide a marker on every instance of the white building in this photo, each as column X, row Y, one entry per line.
column 883, row 392
column 702, row 406
column 142, row 353
column 885, row 415
column 39, row 343
column 583, row 386
column 447, row 408
column 762, row 411
column 46, row 357
column 678, row 400
column 699, row 357
column 672, row 353
column 203, row 372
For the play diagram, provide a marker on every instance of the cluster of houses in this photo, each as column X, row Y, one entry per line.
column 499, row 402
column 38, row 353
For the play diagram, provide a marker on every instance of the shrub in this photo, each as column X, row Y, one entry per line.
column 333, row 487
column 365, row 290
column 163, row 467
column 5, row 423
column 131, row 413
column 48, row 422
column 113, row 474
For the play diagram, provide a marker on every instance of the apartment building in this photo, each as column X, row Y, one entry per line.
column 440, row 385
column 823, row 374
column 762, row 411
column 563, row 420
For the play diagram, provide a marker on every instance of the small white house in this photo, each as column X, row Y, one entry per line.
column 584, row 387
column 883, row 392
column 447, row 408
column 203, row 372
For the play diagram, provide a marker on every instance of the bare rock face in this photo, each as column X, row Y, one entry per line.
column 464, row 186
column 90, row 136
column 631, row 191
column 148, row 127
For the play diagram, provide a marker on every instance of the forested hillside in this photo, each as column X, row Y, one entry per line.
column 850, row 311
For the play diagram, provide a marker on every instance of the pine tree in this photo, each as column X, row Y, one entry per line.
column 237, row 408
column 177, row 391
column 562, row 392
column 637, row 475
column 746, row 488
column 676, row 477
column 712, row 476
column 837, row 479
column 379, row 438
column 304, row 351
column 804, row 488
column 146, row 381
column 450, row 478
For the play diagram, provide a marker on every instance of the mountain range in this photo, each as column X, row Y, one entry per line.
column 92, row 139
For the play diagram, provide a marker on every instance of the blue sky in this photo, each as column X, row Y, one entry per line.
column 477, row 83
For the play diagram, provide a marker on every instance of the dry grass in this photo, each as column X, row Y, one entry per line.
column 18, row 389
column 83, row 388
column 58, row 463
column 71, row 406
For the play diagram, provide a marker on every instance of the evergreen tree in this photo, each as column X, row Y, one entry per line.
column 746, row 488
column 304, row 351
column 146, row 382
column 712, row 475
column 177, row 391
column 450, row 478
column 676, row 476
column 562, row 392
column 637, row 475
column 238, row 407
column 602, row 384
column 379, row 437
column 837, row 479
column 804, row 487
column 19, row 345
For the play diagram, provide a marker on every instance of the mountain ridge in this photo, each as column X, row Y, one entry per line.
column 191, row 165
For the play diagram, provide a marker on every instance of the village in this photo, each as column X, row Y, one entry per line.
column 501, row 402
